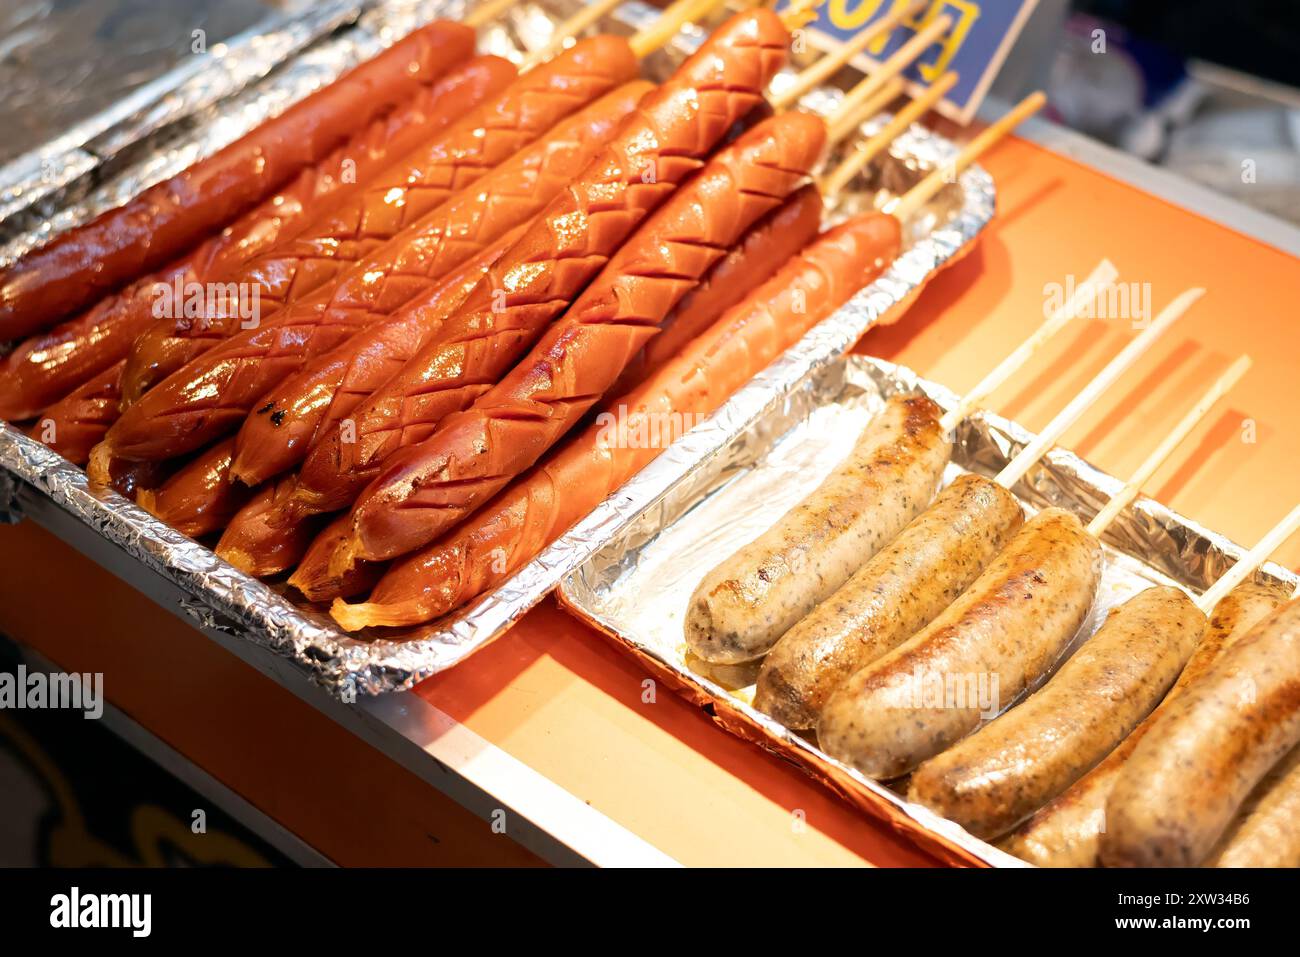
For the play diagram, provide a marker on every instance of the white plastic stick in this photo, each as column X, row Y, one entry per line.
column 1031, row 453
column 1101, row 277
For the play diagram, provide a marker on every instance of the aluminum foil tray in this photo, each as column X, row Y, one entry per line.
column 726, row 482
column 220, row 599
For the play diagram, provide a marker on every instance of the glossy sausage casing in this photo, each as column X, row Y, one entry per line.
column 1066, row 832
column 664, row 141
column 214, row 392
column 51, row 364
column 894, row 595
column 424, row 490
column 165, row 220
column 540, row 506
column 995, row 641
column 518, row 190
column 1011, row 767
column 1189, row 775
column 743, row 606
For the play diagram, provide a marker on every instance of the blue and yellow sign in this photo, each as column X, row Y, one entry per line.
column 981, row 36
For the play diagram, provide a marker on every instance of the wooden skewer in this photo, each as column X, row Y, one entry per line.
column 857, row 161
column 487, row 12
column 850, row 121
column 817, row 74
column 906, row 206
column 1237, row 574
column 1125, row 496
column 1086, row 291
column 896, row 64
column 669, row 22
column 585, row 17
column 1016, row 469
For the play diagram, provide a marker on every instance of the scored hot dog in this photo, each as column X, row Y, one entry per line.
column 896, row 593
column 541, row 506
column 76, row 423
column 964, row 668
column 198, row 500
column 339, row 233
column 992, row 780
column 425, row 489
column 667, row 138
column 262, row 540
column 1066, row 832
column 82, row 264
column 213, row 392
column 1190, row 773
column 51, row 364
column 743, row 606
column 269, row 444
column 768, row 246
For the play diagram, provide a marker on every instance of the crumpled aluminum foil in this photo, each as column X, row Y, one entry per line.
column 228, row 601
column 191, row 112
column 725, row 483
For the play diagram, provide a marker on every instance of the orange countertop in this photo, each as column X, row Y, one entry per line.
column 554, row 695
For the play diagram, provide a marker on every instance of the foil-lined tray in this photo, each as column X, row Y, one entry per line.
column 224, row 600
column 192, row 111
column 724, row 484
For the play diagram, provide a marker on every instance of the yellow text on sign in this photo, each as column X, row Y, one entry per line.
column 849, row 15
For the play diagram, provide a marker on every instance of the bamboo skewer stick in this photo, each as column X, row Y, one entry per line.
column 847, row 123
column 1016, row 469
column 817, row 74
column 1125, row 496
column 486, row 12
column 1237, row 574
column 835, row 181
column 585, row 17
column 1102, row 276
column 896, row 64
column 920, row 194
column 669, row 22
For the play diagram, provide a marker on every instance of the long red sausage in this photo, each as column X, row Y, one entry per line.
column 337, row 235
column 768, row 246
column 666, row 140
column 198, row 500
column 538, row 508
column 76, row 423
column 165, row 220
column 258, row 540
column 289, row 420
column 426, row 489
column 50, row 364
column 214, row 392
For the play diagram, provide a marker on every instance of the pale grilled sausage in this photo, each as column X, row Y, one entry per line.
column 1267, row 832
column 1008, row 769
column 1067, row 831
column 1190, row 773
column 997, row 639
column 897, row 593
column 754, row 597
